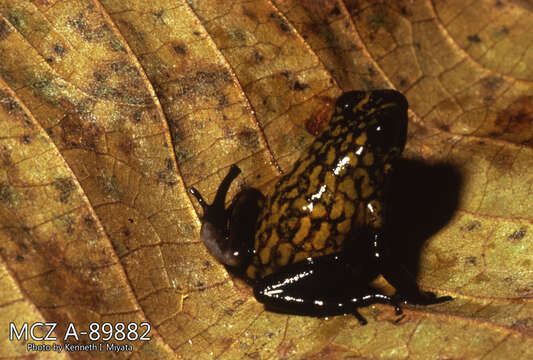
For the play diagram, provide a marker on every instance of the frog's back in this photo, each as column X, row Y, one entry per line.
column 315, row 206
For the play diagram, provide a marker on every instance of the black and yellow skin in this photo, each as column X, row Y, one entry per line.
column 314, row 245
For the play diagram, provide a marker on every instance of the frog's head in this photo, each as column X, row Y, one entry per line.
column 381, row 115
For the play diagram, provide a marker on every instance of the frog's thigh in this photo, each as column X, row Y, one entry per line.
column 327, row 285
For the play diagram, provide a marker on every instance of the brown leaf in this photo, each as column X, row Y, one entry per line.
column 111, row 110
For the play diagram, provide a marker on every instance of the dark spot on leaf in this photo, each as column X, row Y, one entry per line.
column 165, row 175
column 8, row 103
column 517, row 118
column 492, row 82
column 444, row 127
column 59, row 50
column 83, row 26
column 379, row 17
column 16, row 18
column 26, row 139
column 196, row 33
column 158, row 14
column 116, row 45
column 474, row 38
column 49, row 60
column 126, row 232
column 169, row 164
column 200, row 286
column 131, row 220
column 4, row 29
column 518, row 234
column 89, row 221
column 99, row 76
column 118, row 65
column 6, row 193
column 229, row 312
column 248, row 138
column 238, row 302
column 286, row 74
column 473, row 225
column 403, row 82
column 298, row 86
column 335, row 11
column 222, row 100
column 203, row 82
column 137, row 115
column 472, row 260
column 65, row 187
column 41, row 83
column 488, row 99
column 180, row 49
column 280, row 21
column 5, row 156
column 109, row 186
column 19, row 258
column 258, row 57
column 499, row 4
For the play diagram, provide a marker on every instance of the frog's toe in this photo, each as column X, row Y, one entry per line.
column 360, row 317
column 428, row 298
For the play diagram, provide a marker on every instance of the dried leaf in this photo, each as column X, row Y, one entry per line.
column 111, row 110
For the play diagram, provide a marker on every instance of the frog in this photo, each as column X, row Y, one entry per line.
column 315, row 245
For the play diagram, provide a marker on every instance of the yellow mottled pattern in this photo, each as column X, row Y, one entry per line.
column 293, row 193
column 332, row 154
column 315, row 182
column 298, row 171
column 329, row 180
column 321, row 236
column 337, row 208
column 264, row 255
column 284, row 253
column 344, row 226
column 347, row 186
column 368, row 159
column 303, row 231
column 360, row 106
column 347, row 143
column 301, row 256
column 319, row 211
column 349, row 209
column 340, row 170
column 361, row 140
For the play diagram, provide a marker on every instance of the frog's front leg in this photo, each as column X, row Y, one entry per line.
column 327, row 285
column 228, row 233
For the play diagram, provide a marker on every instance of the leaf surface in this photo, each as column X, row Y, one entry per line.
column 111, row 110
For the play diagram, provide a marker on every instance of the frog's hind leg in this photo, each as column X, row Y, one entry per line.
column 322, row 286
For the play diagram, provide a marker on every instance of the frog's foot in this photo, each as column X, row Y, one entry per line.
column 422, row 298
column 360, row 317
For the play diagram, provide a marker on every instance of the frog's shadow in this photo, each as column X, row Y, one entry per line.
column 422, row 199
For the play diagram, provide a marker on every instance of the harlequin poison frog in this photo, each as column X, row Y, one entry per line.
column 316, row 243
